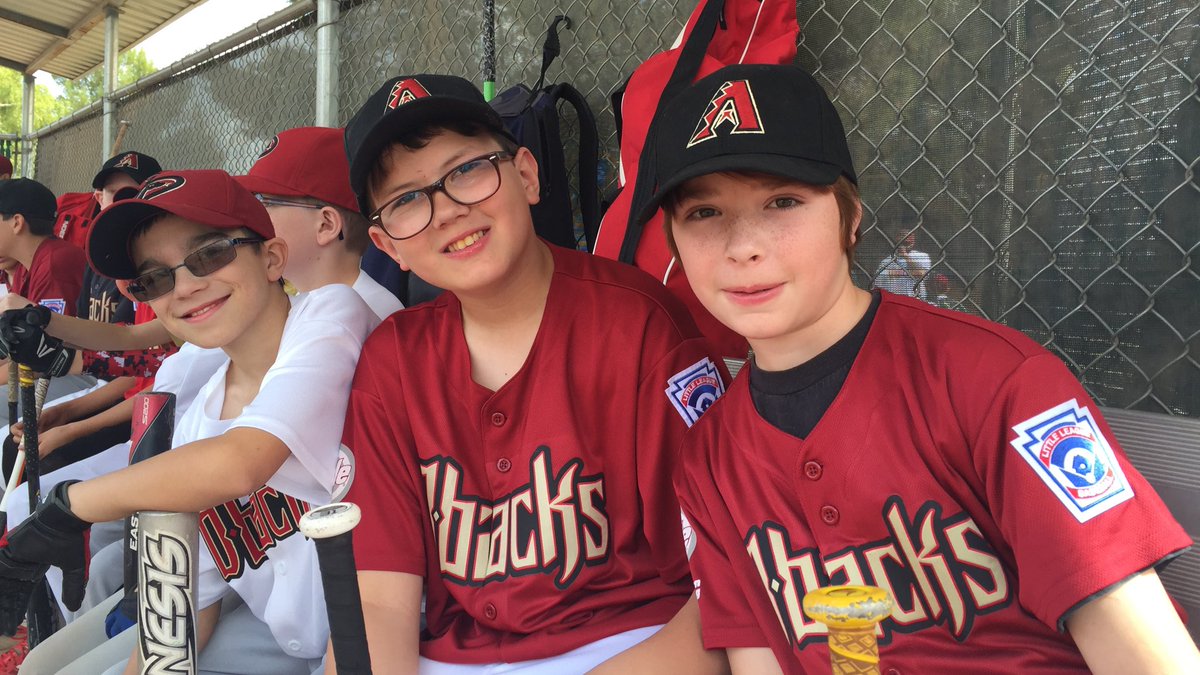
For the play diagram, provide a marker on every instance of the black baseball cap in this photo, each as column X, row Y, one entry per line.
column 28, row 198
column 771, row 119
column 133, row 164
column 406, row 103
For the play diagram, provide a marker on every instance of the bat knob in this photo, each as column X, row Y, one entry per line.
column 851, row 613
column 331, row 520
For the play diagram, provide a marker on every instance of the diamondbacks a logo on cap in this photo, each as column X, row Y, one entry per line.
column 130, row 161
column 733, row 105
column 160, row 186
column 271, row 145
column 406, row 91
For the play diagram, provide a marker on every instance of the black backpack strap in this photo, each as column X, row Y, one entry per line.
column 551, row 47
column 690, row 58
column 589, row 160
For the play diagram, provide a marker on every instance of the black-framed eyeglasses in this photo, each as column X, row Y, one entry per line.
column 469, row 183
column 201, row 263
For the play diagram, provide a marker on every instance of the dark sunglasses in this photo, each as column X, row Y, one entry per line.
column 201, row 263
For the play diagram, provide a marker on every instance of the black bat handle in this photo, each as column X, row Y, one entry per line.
column 331, row 528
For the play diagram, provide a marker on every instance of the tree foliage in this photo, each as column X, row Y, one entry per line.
column 75, row 94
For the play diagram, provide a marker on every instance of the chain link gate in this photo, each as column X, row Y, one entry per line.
column 1044, row 154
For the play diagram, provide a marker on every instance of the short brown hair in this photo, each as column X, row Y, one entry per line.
column 844, row 191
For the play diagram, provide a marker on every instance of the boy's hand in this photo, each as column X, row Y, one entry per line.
column 23, row 336
column 51, row 536
column 13, row 301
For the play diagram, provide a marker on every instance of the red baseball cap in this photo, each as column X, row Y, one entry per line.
column 304, row 162
column 208, row 197
column 7, row 167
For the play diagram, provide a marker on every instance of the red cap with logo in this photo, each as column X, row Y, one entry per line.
column 304, row 162
column 208, row 197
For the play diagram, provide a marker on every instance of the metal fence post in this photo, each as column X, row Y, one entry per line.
column 27, row 93
column 327, row 63
column 111, row 44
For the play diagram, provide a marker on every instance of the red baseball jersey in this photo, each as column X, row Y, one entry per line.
column 542, row 515
column 961, row 467
column 54, row 278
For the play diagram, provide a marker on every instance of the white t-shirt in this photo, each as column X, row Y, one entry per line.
column 302, row 402
column 380, row 299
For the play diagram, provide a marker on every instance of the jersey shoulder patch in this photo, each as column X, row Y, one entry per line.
column 1065, row 448
column 695, row 388
column 56, row 305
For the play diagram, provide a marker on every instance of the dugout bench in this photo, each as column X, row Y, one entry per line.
column 1166, row 449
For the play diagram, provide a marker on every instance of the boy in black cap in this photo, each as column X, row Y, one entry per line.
column 102, row 301
column 502, row 463
column 874, row 439
column 51, row 272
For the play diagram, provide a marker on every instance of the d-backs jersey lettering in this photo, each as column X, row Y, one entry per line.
column 541, row 515
column 962, row 468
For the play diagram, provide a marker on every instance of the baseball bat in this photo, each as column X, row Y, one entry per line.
column 166, row 592
column 41, row 605
column 151, row 431
column 18, row 470
column 116, row 146
column 13, row 392
column 331, row 528
column 851, row 614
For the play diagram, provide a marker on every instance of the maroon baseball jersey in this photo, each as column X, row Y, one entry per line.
column 542, row 515
column 54, row 278
column 961, row 467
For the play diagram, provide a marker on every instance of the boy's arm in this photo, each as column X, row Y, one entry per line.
column 674, row 649
column 392, row 612
column 1133, row 629
column 99, row 336
column 55, row 438
column 218, row 469
column 753, row 661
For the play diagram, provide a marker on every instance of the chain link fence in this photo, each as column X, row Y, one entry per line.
column 1031, row 162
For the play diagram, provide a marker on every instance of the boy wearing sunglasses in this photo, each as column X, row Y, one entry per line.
column 514, row 438
column 201, row 250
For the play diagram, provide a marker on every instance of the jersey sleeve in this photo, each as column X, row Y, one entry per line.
column 136, row 363
column 302, row 402
column 726, row 619
column 385, row 485
column 1078, row 516
column 672, row 396
column 58, row 282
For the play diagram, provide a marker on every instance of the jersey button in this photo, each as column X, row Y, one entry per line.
column 892, row 671
column 830, row 515
column 489, row 610
column 294, row 645
column 498, row 419
column 503, row 465
column 813, row 470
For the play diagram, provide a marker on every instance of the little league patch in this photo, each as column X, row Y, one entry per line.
column 693, row 389
column 1065, row 447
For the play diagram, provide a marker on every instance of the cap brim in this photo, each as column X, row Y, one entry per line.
column 266, row 186
column 108, row 240
column 100, row 178
column 802, row 170
column 411, row 116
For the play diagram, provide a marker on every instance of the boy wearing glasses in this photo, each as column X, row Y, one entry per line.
column 249, row 452
column 514, row 438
